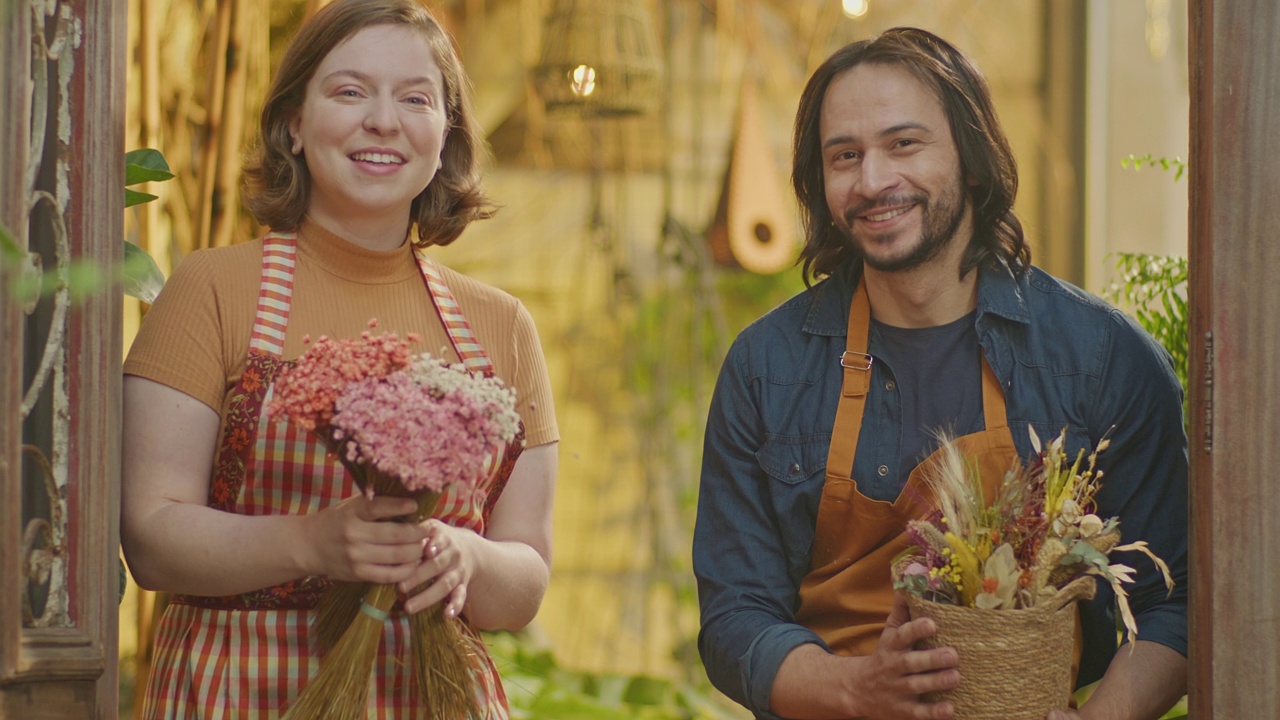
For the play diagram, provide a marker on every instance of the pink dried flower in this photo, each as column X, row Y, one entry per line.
column 431, row 425
column 305, row 393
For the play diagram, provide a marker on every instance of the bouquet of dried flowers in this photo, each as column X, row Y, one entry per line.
column 404, row 426
column 1034, row 547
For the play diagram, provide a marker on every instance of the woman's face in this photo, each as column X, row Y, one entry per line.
column 372, row 125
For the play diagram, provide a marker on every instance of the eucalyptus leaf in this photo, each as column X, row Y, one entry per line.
column 139, row 275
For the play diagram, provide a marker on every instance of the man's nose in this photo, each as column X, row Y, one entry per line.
column 876, row 175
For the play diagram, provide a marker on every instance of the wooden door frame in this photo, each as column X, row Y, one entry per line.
column 1234, row 345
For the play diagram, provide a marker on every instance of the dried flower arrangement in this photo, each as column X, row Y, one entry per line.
column 405, row 426
column 1037, row 535
column 1001, row 580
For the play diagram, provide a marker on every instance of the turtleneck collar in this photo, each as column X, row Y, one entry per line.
column 353, row 262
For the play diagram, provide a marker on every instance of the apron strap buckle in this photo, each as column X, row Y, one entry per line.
column 851, row 360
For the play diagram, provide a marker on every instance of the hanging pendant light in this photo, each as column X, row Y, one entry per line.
column 599, row 57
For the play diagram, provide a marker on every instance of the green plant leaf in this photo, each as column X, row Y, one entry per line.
column 645, row 690
column 139, row 275
column 145, row 165
column 133, row 197
column 84, row 278
column 9, row 248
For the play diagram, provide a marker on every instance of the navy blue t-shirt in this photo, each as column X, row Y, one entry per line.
column 937, row 373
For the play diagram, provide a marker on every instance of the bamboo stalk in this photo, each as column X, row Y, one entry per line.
column 224, row 200
column 208, row 168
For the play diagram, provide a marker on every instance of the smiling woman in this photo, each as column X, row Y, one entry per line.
column 367, row 155
column 372, row 128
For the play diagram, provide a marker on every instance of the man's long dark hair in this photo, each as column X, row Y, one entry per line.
column 986, row 160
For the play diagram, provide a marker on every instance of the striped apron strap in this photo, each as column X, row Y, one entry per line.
column 455, row 323
column 274, row 294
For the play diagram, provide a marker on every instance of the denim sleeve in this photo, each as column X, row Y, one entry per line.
column 1139, row 401
column 746, row 595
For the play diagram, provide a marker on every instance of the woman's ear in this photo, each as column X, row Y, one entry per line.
column 295, row 126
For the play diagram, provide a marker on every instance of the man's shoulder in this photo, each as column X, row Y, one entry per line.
column 814, row 310
column 1052, row 299
column 1067, row 313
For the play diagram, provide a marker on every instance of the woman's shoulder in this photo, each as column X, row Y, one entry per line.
column 467, row 290
column 220, row 264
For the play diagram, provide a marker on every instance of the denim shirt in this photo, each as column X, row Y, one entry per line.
column 1064, row 358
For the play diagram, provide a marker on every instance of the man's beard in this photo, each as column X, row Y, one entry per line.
column 939, row 227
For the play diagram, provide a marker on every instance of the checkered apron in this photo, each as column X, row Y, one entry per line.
column 247, row 657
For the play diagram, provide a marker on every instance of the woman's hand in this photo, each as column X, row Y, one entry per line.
column 508, row 567
column 448, row 565
column 353, row 540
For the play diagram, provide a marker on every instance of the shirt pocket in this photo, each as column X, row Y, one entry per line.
column 793, row 460
column 795, row 467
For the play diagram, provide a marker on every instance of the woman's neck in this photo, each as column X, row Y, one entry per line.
column 377, row 233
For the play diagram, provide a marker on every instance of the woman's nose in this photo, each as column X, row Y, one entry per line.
column 382, row 118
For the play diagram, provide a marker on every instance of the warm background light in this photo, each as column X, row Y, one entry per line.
column 583, row 80
column 856, row 8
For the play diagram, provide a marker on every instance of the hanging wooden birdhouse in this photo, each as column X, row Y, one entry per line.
column 754, row 227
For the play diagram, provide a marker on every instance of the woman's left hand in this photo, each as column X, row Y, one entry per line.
column 448, row 565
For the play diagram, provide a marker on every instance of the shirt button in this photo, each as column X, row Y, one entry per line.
column 794, row 469
column 890, row 386
column 883, row 470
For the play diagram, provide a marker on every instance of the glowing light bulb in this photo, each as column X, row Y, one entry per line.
column 582, row 80
column 856, row 8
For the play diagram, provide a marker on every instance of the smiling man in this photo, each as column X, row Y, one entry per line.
column 923, row 313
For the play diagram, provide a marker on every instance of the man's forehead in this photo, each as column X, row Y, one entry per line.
column 883, row 96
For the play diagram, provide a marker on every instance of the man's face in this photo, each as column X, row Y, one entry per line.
column 890, row 167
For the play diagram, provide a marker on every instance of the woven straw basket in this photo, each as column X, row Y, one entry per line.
column 1014, row 664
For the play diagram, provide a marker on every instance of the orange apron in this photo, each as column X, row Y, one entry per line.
column 848, row 594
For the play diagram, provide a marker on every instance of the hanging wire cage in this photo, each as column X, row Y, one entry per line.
column 599, row 57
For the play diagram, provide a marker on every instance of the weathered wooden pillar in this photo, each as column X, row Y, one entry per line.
column 61, row 203
column 1235, row 347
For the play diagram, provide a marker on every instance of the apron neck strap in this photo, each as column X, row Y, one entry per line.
column 463, row 339
column 855, row 364
column 275, row 294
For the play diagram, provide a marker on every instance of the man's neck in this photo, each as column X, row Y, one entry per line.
column 927, row 296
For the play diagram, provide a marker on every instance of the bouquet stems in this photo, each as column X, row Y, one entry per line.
column 340, row 691
column 348, row 631
column 443, row 665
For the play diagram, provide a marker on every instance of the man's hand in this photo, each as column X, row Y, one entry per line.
column 885, row 685
column 896, row 674
column 1063, row 715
